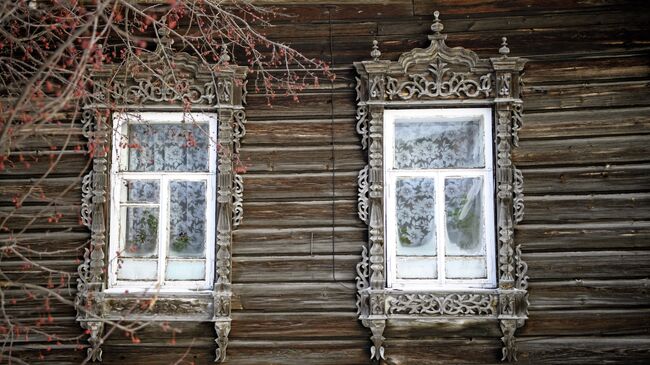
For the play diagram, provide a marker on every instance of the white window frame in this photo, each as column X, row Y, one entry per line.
column 487, row 172
column 118, row 173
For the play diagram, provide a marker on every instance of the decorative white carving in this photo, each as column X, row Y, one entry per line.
column 162, row 89
column 456, row 304
column 362, row 125
column 362, row 195
column 238, row 201
column 362, row 282
column 518, row 200
column 439, row 83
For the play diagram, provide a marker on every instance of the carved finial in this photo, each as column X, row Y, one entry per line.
column 224, row 58
column 504, row 50
column 437, row 26
column 375, row 54
column 165, row 41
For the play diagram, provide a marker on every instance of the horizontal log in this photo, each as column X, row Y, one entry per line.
column 312, row 132
column 40, row 217
column 585, row 123
column 295, row 186
column 606, row 94
column 586, row 208
column 585, row 294
column 424, row 7
column 618, row 149
column 303, row 159
column 606, row 68
column 583, row 236
column 317, row 352
column 304, row 241
column 287, row 297
column 72, row 164
column 584, row 350
column 267, row 269
column 592, row 179
column 57, row 190
column 443, row 351
column 294, row 325
column 312, row 104
column 434, row 327
column 588, row 265
column 301, row 214
column 597, row 322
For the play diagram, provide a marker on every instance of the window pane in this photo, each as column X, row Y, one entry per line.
column 168, row 147
column 434, row 144
column 185, row 270
column 417, row 268
column 416, row 231
column 137, row 269
column 141, row 191
column 141, row 232
column 463, row 208
column 187, row 226
column 465, row 268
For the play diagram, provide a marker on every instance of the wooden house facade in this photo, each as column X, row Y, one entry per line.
column 583, row 152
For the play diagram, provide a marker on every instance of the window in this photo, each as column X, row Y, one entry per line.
column 440, row 193
column 163, row 189
column 439, row 198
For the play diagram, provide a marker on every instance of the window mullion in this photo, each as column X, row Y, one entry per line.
column 439, row 207
column 163, row 227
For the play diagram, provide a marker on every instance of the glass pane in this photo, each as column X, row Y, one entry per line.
column 185, row 270
column 168, row 147
column 433, row 144
column 187, row 207
column 141, row 191
column 465, row 268
column 420, row 268
column 141, row 232
column 137, row 269
column 416, row 231
column 463, row 207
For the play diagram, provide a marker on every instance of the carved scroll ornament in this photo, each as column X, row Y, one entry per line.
column 189, row 86
column 434, row 77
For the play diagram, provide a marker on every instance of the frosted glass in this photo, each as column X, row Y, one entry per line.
column 141, row 191
column 416, row 231
column 185, row 270
column 168, row 147
column 420, row 268
column 187, row 226
column 141, row 232
column 463, row 208
column 137, row 269
column 465, row 268
column 432, row 144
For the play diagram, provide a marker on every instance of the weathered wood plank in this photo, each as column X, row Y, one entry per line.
column 314, row 104
column 601, row 322
column 585, row 294
column 605, row 94
column 425, row 7
column 443, row 351
column 312, row 132
column 301, row 213
column 304, row 241
column 584, row 350
column 302, row 159
column 618, row 149
column 586, row 208
column 585, row 123
column 286, row 297
column 317, row 352
column 588, row 265
column 265, row 269
column 293, row 325
column 58, row 190
column 593, row 179
column 40, row 217
column 435, row 327
column 583, row 236
column 295, row 186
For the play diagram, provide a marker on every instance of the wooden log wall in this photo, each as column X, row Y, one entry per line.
column 585, row 157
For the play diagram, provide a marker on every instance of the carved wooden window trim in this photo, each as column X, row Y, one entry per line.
column 189, row 87
column 440, row 77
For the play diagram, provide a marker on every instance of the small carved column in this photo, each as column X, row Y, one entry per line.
column 90, row 284
column 512, row 270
